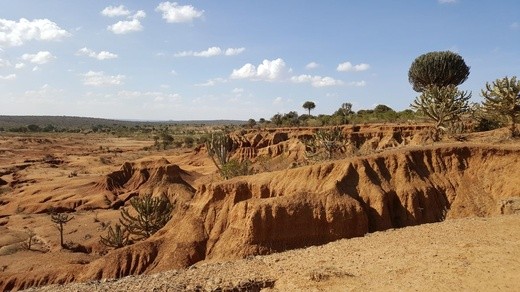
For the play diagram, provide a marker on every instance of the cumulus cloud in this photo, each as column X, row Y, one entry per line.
column 312, row 65
column 125, row 26
column 347, row 67
column 15, row 33
column 175, row 13
column 115, row 11
column 39, row 58
column 99, row 78
column 210, row 52
column 267, row 70
column 316, row 81
column 139, row 14
column 19, row 65
column 234, row 51
column 103, row 55
column 8, row 77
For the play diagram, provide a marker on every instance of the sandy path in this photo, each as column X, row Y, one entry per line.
column 477, row 254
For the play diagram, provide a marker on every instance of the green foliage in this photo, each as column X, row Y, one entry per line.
column 381, row 108
column 218, row 149
column 325, row 143
column 309, row 105
column 443, row 105
column 60, row 219
column 152, row 215
column 235, row 168
column 437, row 69
column 116, row 238
column 251, row 123
column 502, row 97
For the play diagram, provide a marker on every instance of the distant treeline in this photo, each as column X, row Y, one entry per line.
column 78, row 124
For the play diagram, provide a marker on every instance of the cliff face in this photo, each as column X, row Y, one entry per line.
column 316, row 204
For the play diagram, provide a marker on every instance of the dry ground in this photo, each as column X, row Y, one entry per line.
column 476, row 254
column 464, row 254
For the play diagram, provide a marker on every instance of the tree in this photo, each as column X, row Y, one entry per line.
column 116, row 238
column 346, row 110
column 152, row 215
column 60, row 219
column 325, row 142
column 442, row 104
column 218, row 151
column 309, row 105
column 503, row 98
column 251, row 123
column 381, row 108
column 277, row 119
column 437, row 68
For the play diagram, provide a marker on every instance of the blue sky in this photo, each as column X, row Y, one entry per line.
column 193, row 60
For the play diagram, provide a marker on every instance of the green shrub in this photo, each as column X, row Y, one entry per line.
column 152, row 215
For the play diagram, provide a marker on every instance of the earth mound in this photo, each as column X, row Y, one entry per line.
column 310, row 205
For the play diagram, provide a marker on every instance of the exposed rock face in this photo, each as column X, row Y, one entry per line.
column 366, row 138
column 313, row 205
column 147, row 177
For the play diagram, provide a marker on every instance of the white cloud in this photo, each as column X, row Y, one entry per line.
column 212, row 82
column 515, row 25
column 246, row 71
column 278, row 100
column 139, row 14
column 361, row 83
column 175, row 13
column 312, row 65
column 19, row 65
column 103, row 55
column 347, row 67
column 43, row 92
column 114, row 11
column 13, row 33
column 155, row 95
column 35, row 68
column 8, row 77
column 316, row 81
column 39, row 58
column 99, row 78
column 125, row 26
column 267, row 70
column 210, row 52
column 4, row 63
column 447, row 1
column 234, row 51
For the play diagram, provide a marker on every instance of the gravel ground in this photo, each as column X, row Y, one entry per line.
column 477, row 254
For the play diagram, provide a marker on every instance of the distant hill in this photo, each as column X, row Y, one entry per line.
column 8, row 122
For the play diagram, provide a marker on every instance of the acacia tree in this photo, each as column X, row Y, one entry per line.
column 439, row 69
column 309, row 105
column 442, row 104
column 503, row 98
